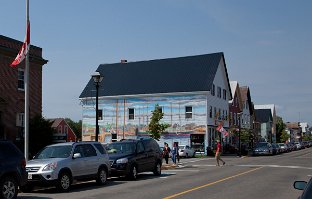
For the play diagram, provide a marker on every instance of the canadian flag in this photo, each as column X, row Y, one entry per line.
column 25, row 48
column 222, row 130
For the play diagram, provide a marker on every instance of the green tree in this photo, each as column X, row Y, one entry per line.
column 284, row 136
column 155, row 127
column 307, row 137
column 75, row 126
column 280, row 127
column 40, row 134
column 245, row 135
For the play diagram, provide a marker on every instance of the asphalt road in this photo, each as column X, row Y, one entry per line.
column 250, row 177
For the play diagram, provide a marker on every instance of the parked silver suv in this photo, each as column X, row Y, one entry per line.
column 62, row 164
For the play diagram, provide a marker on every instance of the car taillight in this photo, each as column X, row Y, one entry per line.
column 23, row 163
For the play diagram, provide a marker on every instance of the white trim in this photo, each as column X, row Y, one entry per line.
column 150, row 95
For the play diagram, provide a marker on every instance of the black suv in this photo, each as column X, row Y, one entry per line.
column 12, row 170
column 130, row 157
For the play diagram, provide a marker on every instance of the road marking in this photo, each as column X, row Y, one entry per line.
column 190, row 161
column 276, row 166
column 212, row 183
column 257, row 165
column 179, row 170
column 204, row 165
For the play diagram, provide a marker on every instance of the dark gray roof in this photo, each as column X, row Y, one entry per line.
column 263, row 115
column 182, row 74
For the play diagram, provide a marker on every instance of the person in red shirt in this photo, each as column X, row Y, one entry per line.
column 218, row 153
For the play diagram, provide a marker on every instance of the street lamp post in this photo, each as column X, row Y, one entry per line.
column 97, row 78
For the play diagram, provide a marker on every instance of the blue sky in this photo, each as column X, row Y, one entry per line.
column 267, row 44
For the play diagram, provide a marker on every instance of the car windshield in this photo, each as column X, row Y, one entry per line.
column 54, row 152
column 121, row 148
column 181, row 147
column 262, row 144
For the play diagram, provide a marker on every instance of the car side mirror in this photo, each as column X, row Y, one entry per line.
column 77, row 155
column 300, row 185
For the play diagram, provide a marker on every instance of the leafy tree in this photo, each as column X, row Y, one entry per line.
column 75, row 126
column 284, row 136
column 245, row 135
column 40, row 134
column 155, row 128
column 307, row 137
column 280, row 127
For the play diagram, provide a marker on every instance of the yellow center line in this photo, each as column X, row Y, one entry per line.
column 212, row 183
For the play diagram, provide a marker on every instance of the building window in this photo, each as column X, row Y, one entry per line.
column 20, row 82
column 66, row 130
column 219, row 92
column 226, row 115
column 224, row 94
column 231, row 118
column 210, row 111
column 188, row 112
column 20, row 119
column 215, row 112
column 59, row 129
column 234, row 118
column 131, row 113
column 100, row 114
column 213, row 90
column 219, row 114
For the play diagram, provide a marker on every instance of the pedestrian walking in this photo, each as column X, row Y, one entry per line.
column 218, row 153
column 178, row 155
column 174, row 152
column 166, row 152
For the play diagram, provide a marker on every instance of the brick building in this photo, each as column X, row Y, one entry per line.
column 12, row 93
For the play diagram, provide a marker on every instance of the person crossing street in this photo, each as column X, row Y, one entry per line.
column 218, row 153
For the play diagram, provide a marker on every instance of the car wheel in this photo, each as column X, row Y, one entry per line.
column 157, row 169
column 101, row 176
column 8, row 187
column 26, row 188
column 133, row 174
column 64, row 181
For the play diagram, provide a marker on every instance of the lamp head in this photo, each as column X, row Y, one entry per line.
column 97, row 78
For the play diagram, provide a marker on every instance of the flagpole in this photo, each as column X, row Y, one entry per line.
column 26, row 90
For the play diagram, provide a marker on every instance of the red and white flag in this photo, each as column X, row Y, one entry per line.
column 24, row 50
column 222, row 130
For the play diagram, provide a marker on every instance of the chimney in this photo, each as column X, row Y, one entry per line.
column 123, row 61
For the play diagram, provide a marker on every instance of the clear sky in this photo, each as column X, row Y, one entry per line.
column 267, row 44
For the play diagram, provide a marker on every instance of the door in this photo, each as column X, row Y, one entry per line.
column 91, row 157
column 141, row 157
column 78, row 165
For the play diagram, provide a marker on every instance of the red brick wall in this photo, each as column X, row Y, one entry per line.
column 14, row 99
column 234, row 108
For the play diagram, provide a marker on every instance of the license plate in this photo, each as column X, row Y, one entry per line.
column 29, row 176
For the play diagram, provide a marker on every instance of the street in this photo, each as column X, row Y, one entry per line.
column 247, row 177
